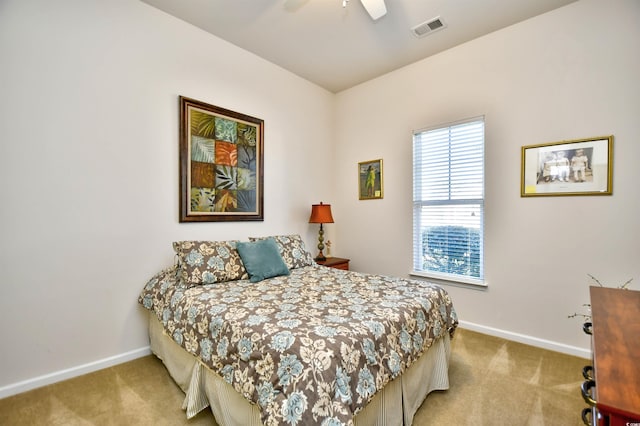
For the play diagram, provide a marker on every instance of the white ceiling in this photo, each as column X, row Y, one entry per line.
column 339, row 47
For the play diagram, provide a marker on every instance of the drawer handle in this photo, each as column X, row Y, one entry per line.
column 587, row 372
column 586, row 327
column 587, row 416
column 586, row 392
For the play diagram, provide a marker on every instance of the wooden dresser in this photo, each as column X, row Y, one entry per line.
column 615, row 384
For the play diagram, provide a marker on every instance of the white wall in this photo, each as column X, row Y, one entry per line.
column 569, row 74
column 89, row 169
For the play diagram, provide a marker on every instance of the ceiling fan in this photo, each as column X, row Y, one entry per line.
column 376, row 8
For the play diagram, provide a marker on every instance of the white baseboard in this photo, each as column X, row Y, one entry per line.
column 528, row 340
column 58, row 376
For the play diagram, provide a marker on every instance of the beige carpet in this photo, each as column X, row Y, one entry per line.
column 493, row 382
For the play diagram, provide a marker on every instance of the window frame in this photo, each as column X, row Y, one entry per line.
column 418, row 203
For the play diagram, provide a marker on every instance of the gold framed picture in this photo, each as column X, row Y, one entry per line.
column 370, row 185
column 576, row 167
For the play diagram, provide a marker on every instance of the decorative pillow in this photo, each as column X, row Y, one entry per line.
column 292, row 250
column 262, row 259
column 167, row 275
column 208, row 262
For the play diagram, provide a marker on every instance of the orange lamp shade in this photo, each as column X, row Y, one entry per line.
column 321, row 213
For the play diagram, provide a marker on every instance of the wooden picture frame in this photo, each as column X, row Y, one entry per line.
column 370, row 180
column 576, row 167
column 221, row 164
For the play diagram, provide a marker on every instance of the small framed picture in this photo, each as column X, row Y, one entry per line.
column 370, row 180
column 577, row 167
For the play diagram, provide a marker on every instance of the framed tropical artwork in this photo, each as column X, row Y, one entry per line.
column 221, row 164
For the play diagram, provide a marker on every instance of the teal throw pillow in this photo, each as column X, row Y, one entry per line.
column 262, row 259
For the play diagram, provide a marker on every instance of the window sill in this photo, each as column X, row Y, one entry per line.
column 452, row 279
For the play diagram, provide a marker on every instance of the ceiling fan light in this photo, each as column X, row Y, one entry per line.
column 376, row 8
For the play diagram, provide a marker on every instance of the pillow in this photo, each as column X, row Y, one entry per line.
column 167, row 275
column 262, row 259
column 208, row 262
column 292, row 250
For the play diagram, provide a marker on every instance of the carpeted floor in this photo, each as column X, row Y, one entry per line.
column 492, row 382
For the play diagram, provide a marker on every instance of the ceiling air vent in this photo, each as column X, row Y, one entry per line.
column 428, row 27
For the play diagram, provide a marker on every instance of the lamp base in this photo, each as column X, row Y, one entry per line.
column 320, row 257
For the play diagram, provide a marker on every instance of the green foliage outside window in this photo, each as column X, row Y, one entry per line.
column 452, row 250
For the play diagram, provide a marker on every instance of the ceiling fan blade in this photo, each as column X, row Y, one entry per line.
column 376, row 8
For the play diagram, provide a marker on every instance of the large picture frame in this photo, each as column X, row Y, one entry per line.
column 370, row 185
column 221, row 164
column 576, row 167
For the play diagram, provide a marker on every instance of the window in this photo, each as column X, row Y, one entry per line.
column 448, row 201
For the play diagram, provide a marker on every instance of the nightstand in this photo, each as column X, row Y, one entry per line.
column 335, row 262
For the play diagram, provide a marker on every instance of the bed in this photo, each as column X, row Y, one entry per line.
column 264, row 336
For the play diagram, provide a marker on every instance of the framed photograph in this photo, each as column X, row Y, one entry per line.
column 370, row 179
column 221, row 164
column 577, row 167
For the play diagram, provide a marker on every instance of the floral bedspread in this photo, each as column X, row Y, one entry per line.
column 309, row 348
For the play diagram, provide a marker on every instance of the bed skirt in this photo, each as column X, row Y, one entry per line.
column 396, row 404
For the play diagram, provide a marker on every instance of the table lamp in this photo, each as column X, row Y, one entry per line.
column 321, row 213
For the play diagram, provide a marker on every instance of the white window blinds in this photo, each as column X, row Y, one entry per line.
column 448, row 201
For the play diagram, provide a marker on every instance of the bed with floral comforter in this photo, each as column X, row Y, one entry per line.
column 310, row 347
